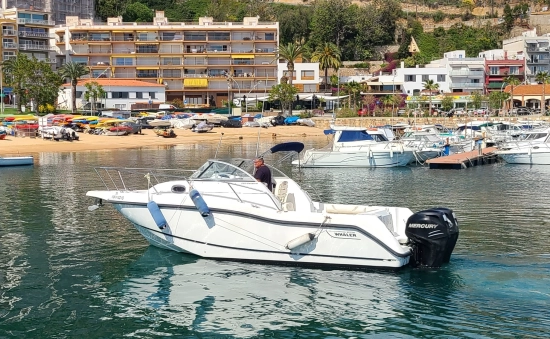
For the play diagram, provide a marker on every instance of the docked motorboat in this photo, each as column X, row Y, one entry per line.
column 358, row 147
column 533, row 149
column 222, row 212
column 202, row 127
column 16, row 161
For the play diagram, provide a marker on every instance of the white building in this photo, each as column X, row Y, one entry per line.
column 121, row 94
column 413, row 78
column 306, row 76
column 535, row 48
column 466, row 75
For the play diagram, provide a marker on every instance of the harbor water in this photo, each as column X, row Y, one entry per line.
column 66, row 272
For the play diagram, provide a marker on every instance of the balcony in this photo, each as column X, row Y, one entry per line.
column 505, row 74
column 467, row 85
column 538, row 49
column 23, row 21
column 9, row 45
column 9, row 32
column 34, row 47
column 47, row 60
column 34, row 34
column 467, row 73
column 538, row 61
column 147, row 75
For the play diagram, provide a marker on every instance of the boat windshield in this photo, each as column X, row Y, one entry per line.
column 240, row 169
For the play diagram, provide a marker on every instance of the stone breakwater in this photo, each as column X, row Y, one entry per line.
column 325, row 122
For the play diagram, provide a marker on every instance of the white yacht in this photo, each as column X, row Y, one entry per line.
column 532, row 149
column 358, row 147
column 222, row 212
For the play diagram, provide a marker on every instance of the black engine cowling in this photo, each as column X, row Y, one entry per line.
column 433, row 234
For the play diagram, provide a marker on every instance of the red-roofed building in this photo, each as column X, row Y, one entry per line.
column 124, row 94
column 528, row 95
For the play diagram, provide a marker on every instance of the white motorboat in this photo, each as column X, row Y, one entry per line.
column 533, row 149
column 358, row 147
column 160, row 123
column 16, row 161
column 222, row 212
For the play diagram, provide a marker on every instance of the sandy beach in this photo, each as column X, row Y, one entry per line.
column 26, row 145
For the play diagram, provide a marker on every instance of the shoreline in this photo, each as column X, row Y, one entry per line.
column 13, row 146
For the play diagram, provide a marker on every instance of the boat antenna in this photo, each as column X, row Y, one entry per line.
column 258, row 141
column 217, row 148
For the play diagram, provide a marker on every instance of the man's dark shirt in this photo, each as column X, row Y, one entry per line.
column 263, row 173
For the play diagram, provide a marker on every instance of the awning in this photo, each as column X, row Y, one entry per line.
column 495, row 85
column 243, row 56
column 195, row 82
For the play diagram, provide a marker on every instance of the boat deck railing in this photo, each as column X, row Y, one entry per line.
column 125, row 179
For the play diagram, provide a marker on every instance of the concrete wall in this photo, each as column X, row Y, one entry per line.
column 325, row 122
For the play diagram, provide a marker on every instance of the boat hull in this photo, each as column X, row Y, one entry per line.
column 313, row 158
column 237, row 235
column 16, row 161
column 526, row 157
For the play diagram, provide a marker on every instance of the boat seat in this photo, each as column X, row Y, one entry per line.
column 290, row 203
column 282, row 190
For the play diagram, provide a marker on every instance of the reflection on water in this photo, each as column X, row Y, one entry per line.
column 65, row 272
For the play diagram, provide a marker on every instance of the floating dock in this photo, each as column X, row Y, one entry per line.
column 464, row 160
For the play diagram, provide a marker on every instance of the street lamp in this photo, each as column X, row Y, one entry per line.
column 229, row 84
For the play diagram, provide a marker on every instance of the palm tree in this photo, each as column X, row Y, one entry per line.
column 543, row 78
column 431, row 86
column 512, row 81
column 290, row 53
column 73, row 71
column 328, row 56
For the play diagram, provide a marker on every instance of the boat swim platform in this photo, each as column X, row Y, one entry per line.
column 465, row 160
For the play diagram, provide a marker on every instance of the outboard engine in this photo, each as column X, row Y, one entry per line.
column 433, row 234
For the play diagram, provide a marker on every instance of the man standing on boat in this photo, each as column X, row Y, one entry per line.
column 262, row 173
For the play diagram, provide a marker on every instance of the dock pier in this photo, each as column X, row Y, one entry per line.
column 473, row 158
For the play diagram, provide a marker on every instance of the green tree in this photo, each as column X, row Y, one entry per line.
column 353, row 89
column 544, row 79
column 73, row 71
column 43, row 84
column 137, row 12
column 110, row 8
column 294, row 23
column 431, row 86
column 447, row 103
column 497, row 99
column 328, row 56
column 285, row 93
column 94, row 91
column 477, row 99
column 508, row 18
column 290, row 53
column 332, row 20
column 16, row 75
column 513, row 82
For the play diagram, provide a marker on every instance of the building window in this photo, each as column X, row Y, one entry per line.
column 514, row 70
column 441, row 78
column 308, row 75
column 310, row 88
column 410, row 78
column 119, row 95
column 120, row 106
column 269, row 36
column 78, row 94
column 152, row 95
column 171, row 61
column 123, row 61
column 218, row 36
column 195, row 36
column 494, row 70
column 425, row 77
column 139, row 95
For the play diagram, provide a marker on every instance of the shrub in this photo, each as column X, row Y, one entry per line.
column 439, row 16
column 47, row 108
column 346, row 113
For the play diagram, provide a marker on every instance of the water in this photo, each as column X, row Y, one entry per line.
column 68, row 273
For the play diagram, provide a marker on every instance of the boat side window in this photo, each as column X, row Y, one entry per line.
column 349, row 136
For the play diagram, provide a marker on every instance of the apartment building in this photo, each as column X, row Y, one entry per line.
column 27, row 32
column 536, row 51
column 203, row 63
column 305, row 77
column 59, row 9
column 499, row 65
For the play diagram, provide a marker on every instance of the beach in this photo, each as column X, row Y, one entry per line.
column 88, row 142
